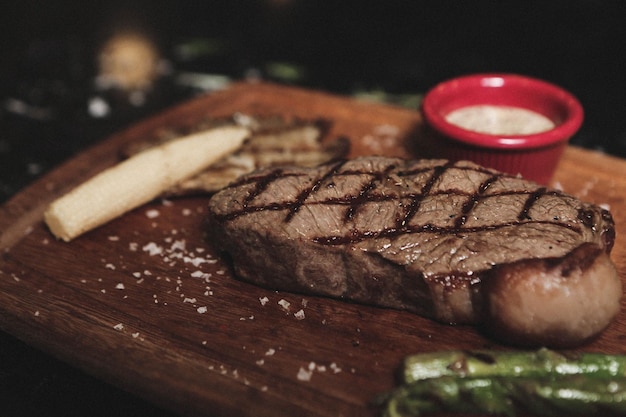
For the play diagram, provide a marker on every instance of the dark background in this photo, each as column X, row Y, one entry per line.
column 391, row 50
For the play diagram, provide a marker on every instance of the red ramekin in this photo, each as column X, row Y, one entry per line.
column 534, row 156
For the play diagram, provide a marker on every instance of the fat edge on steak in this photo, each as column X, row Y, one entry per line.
column 454, row 242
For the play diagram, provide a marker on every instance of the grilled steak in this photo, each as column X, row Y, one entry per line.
column 452, row 241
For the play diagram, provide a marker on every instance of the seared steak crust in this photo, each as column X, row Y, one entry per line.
column 417, row 235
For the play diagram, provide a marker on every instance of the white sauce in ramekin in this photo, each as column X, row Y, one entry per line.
column 500, row 120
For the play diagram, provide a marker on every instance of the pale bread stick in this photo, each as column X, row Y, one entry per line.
column 139, row 180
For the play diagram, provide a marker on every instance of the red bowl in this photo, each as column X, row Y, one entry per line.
column 535, row 155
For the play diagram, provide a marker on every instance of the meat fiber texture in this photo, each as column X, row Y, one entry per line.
column 454, row 242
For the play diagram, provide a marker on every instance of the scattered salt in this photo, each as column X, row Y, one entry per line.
column 264, row 300
column 195, row 261
column 299, row 315
column 119, row 327
column 114, row 238
column 202, row 310
column 153, row 249
column 284, row 304
column 179, row 245
column 304, row 374
column 119, row 286
column 152, row 214
column 335, row 368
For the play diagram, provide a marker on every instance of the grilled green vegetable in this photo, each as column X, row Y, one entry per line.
column 511, row 383
column 540, row 363
column 559, row 395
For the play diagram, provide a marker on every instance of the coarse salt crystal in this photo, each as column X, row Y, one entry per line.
column 152, row 214
column 304, row 375
column 152, row 248
column 202, row 310
column 299, row 314
column 335, row 368
column 264, row 300
column 270, row 352
column 178, row 245
column 195, row 261
column 110, row 266
column 119, row 326
column 114, row 238
column 284, row 304
column 119, row 286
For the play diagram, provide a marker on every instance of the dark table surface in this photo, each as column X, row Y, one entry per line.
column 391, row 51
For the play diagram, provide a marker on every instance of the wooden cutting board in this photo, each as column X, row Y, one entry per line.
column 144, row 303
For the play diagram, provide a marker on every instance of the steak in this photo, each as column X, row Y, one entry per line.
column 452, row 241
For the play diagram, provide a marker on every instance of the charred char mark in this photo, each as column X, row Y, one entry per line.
column 356, row 236
column 416, row 200
column 262, row 184
column 587, row 217
column 473, row 200
column 301, row 198
column 363, row 196
column 608, row 232
column 530, row 202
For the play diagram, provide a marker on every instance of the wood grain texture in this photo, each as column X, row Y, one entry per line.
column 144, row 303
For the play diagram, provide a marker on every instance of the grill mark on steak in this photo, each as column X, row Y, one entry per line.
column 362, row 197
column 301, row 198
column 416, row 201
column 359, row 236
column 471, row 202
column 530, row 201
column 366, row 195
column 262, row 184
